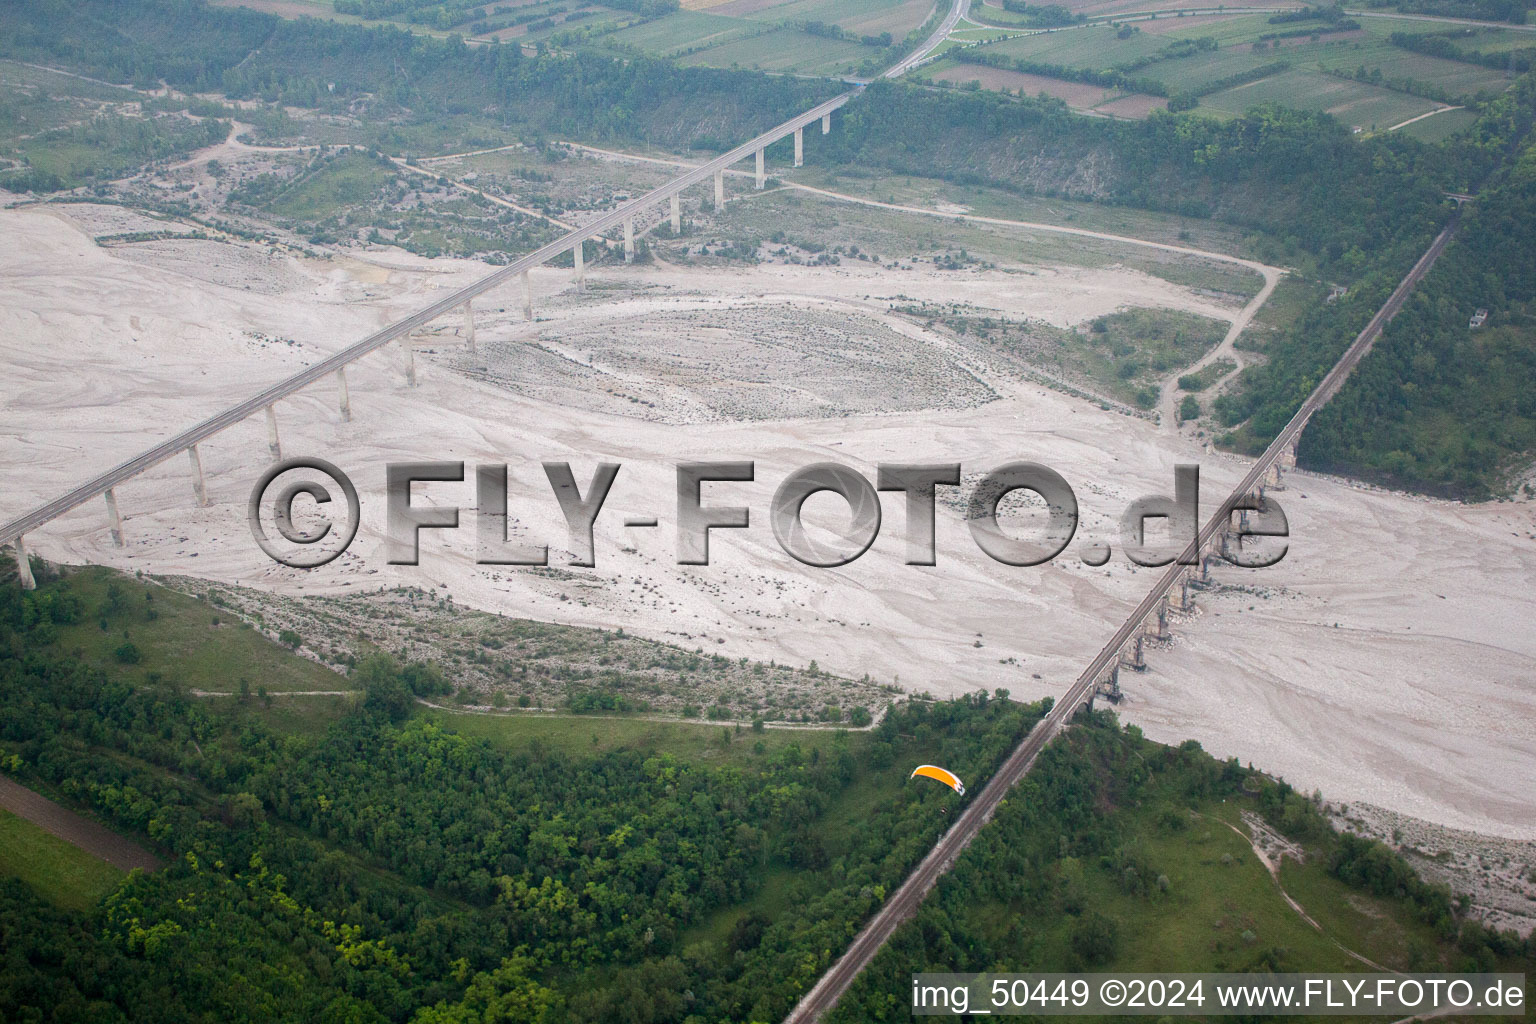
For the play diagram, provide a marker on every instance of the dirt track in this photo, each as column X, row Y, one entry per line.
column 72, row 828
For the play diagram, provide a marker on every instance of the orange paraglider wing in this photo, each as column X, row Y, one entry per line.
column 943, row 775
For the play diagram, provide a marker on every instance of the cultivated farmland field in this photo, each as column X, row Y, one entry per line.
column 865, row 17
column 784, row 50
column 63, row 873
column 1455, row 77
column 1189, row 73
column 1076, row 94
column 1092, row 47
column 683, row 32
column 1440, row 126
column 1353, row 103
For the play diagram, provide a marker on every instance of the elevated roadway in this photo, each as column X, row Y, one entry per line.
column 620, row 216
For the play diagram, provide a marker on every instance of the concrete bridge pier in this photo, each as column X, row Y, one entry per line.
column 1109, row 687
column 469, row 326
column 114, row 517
column 799, row 147
column 409, row 351
column 23, row 567
column 273, row 444
column 826, row 124
column 719, row 191
column 579, row 257
column 1135, row 658
column 199, row 482
column 629, row 239
column 677, row 215
column 527, row 296
column 1156, row 625
column 762, row 177
column 342, row 399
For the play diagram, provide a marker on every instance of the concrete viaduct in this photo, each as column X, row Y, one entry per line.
column 1101, row 676
column 574, row 242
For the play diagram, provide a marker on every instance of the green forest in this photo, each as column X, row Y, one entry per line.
column 1436, row 406
column 1441, row 405
column 386, row 868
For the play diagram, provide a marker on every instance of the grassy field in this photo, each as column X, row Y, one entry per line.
column 1125, row 355
column 1441, row 126
column 865, row 17
column 1456, row 77
column 1366, row 924
column 765, row 36
column 1354, row 103
column 1093, row 47
column 683, row 31
column 166, row 636
column 63, row 873
column 1200, row 233
column 1193, row 73
column 997, row 16
column 584, row 735
column 349, row 180
column 1202, row 379
column 890, row 234
column 1220, row 906
column 785, row 49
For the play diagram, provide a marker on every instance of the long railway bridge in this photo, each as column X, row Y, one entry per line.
column 1124, row 649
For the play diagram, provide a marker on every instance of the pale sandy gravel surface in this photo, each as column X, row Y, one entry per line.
column 1420, row 703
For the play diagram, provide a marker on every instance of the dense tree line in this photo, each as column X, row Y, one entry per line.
column 391, row 869
column 1440, row 405
column 246, row 54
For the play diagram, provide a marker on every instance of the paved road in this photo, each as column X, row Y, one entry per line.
column 957, row 10
column 187, row 438
column 904, row 902
column 121, row 853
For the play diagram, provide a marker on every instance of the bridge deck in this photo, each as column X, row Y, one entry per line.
column 100, row 484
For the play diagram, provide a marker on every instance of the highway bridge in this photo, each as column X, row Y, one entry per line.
column 573, row 242
column 1149, row 614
